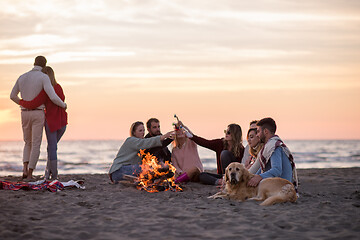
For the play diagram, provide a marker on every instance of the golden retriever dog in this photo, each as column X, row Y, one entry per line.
column 270, row 190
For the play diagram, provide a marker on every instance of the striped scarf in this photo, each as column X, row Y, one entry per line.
column 269, row 148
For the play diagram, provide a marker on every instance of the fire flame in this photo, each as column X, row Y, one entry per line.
column 155, row 177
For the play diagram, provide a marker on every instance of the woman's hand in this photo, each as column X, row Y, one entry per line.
column 190, row 135
column 170, row 134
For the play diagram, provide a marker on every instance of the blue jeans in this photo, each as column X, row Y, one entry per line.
column 53, row 138
column 133, row 170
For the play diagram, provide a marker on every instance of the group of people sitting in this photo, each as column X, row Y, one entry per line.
column 266, row 155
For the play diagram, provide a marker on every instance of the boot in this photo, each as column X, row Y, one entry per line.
column 54, row 170
column 182, row 178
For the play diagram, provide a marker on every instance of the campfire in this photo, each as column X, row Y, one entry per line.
column 156, row 177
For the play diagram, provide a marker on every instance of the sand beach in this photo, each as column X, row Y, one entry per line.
column 328, row 208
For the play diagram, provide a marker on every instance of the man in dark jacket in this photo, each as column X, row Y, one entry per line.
column 162, row 153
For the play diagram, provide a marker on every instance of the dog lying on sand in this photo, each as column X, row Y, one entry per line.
column 270, row 190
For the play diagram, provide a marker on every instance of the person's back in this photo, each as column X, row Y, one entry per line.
column 187, row 156
column 31, row 83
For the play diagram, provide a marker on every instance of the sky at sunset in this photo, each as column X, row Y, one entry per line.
column 211, row 62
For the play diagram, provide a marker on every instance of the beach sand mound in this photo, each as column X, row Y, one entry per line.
column 328, row 208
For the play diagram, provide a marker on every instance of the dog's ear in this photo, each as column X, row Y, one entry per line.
column 226, row 175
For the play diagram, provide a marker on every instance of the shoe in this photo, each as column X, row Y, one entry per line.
column 182, row 178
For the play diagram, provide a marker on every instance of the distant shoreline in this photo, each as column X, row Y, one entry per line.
column 92, row 156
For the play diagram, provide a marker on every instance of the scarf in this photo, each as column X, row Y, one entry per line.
column 269, row 148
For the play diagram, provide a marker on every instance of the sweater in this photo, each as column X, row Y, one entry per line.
column 128, row 152
column 186, row 157
column 56, row 117
column 30, row 85
column 278, row 166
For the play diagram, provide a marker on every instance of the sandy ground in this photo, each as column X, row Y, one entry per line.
column 328, row 208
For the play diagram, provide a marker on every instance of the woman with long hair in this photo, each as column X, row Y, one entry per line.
column 228, row 149
column 127, row 160
column 55, row 122
column 255, row 146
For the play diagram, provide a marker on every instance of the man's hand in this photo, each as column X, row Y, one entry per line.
column 254, row 181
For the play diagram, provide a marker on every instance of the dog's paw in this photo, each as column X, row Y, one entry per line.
column 217, row 196
column 256, row 199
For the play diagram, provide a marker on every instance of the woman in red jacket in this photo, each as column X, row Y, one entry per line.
column 55, row 122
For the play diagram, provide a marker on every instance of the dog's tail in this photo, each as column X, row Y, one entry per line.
column 287, row 194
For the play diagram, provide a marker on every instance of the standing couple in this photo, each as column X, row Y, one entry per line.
column 42, row 104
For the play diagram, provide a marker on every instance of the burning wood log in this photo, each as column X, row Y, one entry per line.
column 130, row 178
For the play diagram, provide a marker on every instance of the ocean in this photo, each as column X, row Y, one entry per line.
column 90, row 157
